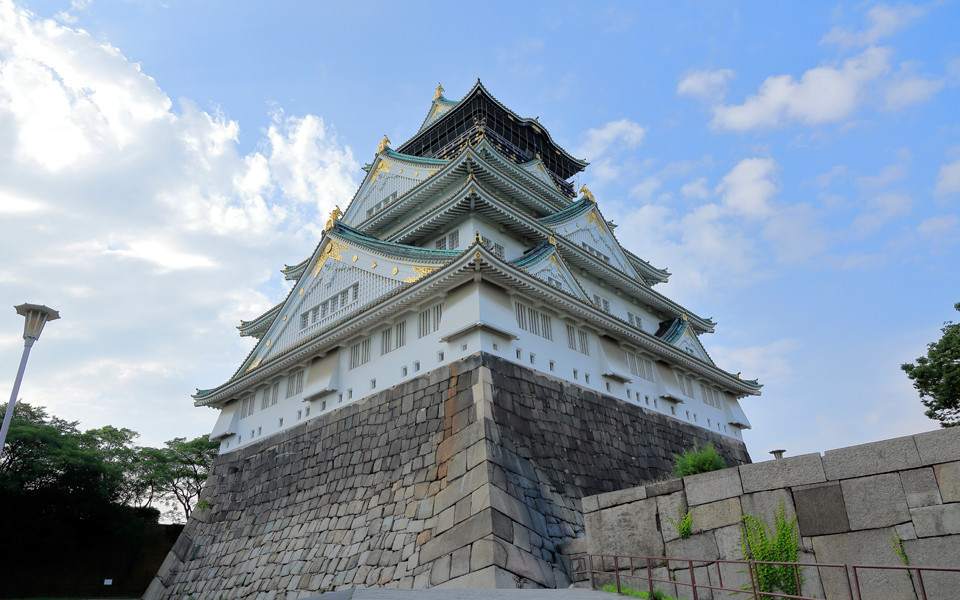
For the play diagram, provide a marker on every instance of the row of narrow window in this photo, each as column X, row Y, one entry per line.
column 329, row 306
column 593, row 251
column 395, row 336
column 534, row 321
column 451, row 241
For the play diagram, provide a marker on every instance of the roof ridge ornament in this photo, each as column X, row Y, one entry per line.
column 587, row 193
column 335, row 215
column 439, row 92
column 384, row 143
column 477, row 239
column 552, row 240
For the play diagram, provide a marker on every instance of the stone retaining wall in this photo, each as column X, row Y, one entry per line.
column 468, row 476
column 850, row 505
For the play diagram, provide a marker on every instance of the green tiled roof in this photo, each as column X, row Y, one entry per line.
column 393, row 249
column 533, row 255
column 573, row 211
column 671, row 329
column 416, row 159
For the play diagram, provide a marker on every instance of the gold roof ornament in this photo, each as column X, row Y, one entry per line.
column 552, row 240
column 587, row 193
column 683, row 316
column 437, row 94
column 335, row 215
column 477, row 238
column 383, row 144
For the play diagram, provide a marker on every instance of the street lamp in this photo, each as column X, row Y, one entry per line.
column 36, row 316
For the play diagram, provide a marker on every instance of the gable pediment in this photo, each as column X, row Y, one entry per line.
column 544, row 263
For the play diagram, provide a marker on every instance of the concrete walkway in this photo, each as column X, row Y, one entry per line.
column 435, row 594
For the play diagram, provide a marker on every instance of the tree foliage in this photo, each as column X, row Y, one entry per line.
column 52, row 461
column 936, row 376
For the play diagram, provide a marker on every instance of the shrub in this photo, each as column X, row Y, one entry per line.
column 700, row 459
column 657, row 594
column 759, row 543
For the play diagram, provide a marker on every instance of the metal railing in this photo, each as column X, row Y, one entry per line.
column 623, row 569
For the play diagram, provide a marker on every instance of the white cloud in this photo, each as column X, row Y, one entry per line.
column 156, row 232
column 940, row 227
column 519, row 58
column 887, row 175
column 769, row 362
column 708, row 86
column 824, row 94
column 908, row 87
column 612, row 137
column 882, row 21
column 948, row 180
column 882, row 208
column 748, row 188
column 696, row 189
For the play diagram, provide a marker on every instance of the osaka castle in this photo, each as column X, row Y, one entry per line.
column 470, row 237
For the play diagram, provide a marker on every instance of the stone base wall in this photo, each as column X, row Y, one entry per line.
column 469, row 476
column 851, row 505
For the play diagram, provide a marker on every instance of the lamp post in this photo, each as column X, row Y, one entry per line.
column 36, row 316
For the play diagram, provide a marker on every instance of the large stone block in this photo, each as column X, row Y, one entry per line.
column 712, row 486
column 716, row 514
column 766, row 505
column 948, row 479
column 870, row 547
column 620, row 497
column 936, row 552
column 627, row 529
column 920, row 487
column 943, row 519
column 869, row 459
column 875, row 501
column 699, row 547
column 772, row 474
column 821, row 510
column 669, row 509
column 476, row 527
column 938, row 446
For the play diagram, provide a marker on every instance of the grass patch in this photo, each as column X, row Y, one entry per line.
column 657, row 594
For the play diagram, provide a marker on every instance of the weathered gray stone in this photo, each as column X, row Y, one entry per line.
column 440, row 570
column 712, row 486
column 871, row 547
column 920, row 487
column 716, row 514
column 486, row 552
column 773, row 474
column 929, row 521
column 590, row 504
column 698, row 547
column 492, row 577
column 938, row 446
column 875, row 501
column 685, row 582
column 869, row 459
column 766, row 505
column 821, row 510
column 628, row 529
column 621, row 497
column 668, row 486
column 669, row 509
column 948, row 478
column 936, row 552
column 460, row 562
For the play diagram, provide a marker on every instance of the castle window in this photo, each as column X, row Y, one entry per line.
column 594, row 252
column 451, row 241
column 360, row 353
column 602, row 303
column 711, row 396
column 576, row 374
column 393, row 337
column 635, row 320
column 270, row 395
column 306, row 411
column 440, row 356
column 577, row 340
column 534, row 321
column 295, row 383
column 429, row 320
column 246, row 407
column 639, row 365
column 551, row 365
column 280, row 422
column 403, row 371
column 686, row 385
column 416, row 366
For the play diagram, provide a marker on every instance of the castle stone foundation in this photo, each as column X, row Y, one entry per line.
column 470, row 476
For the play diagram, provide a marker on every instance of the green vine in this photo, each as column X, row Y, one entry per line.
column 685, row 525
column 898, row 548
column 782, row 544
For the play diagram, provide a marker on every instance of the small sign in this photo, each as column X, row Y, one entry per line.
column 107, row 582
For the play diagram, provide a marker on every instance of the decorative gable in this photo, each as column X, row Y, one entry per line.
column 544, row 263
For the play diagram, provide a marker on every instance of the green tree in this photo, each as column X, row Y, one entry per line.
column 937, row 376
column 179, row 469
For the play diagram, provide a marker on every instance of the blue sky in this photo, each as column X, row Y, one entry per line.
column 796, row 166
